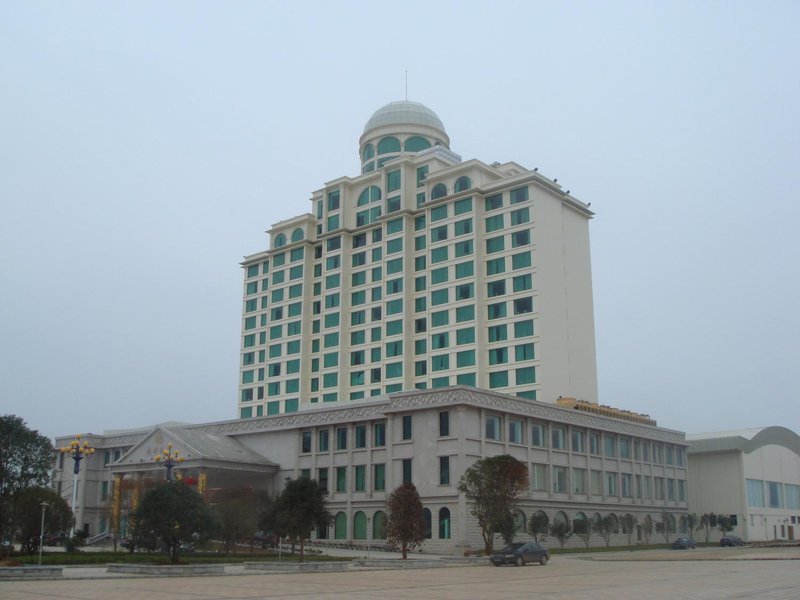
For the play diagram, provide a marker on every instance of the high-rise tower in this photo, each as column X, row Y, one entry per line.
column 424, row 271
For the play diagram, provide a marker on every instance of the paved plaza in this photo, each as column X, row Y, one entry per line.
column 703, row 574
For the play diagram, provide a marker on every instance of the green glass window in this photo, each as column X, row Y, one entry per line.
column 419, row 242
column 293, row 347
column 388, row 144
column 420, row 346
column 358, row 278
column 440, row 340
column 252, row 287
column 523, row 328
column 466, row 379
column 250, row 323
column 276, row 332
column 394, row 266
column 439, row 275
column 522, row 283
column 465, row 358
column 438, row 191
column 438, row 382
column 394, row 246
column 420, row 368
column 420, row 199
column 393, row 181
column 341, row 486
column 416, row 143
column 333, row 222
column 333, row 281
column 358, row 298
column 465, row 291
column 439, row 234
column 494, row 223
column 520, row 216
column 278, row 277
column 361, row 482
column 465, row 269
column 420, row 263
column 462, row 227
column 526, row 375
column 461, row 207
column 495, row 244
column 293, row 328
column 520, row 261
column 333, row 262
column 420, row 284
column 523, row 352
column 394, row 327
column 438, row 213
column 494, row 202
column 296, row 290
column 463, row 248
column 357, row 337
column 394, row 226
column 292, row 386
column 331, row 340
column 440, row 362
column 331, row 359
column 371, row 194
column 394, row 349
column 439, row 254
column 394, row 370
column 498, row 379
column 394, row 307
column 498, row 356
column 330, row 380
column 523, row 305
column 440, row 318
column 496, row 266
column 496, row 311
column 252, row 271
column 357, row 378
column 496, row 288
column 359, row 259
column 394, row 286
column 379, row 479
column 369, row 152
column 440, row 297
column 518, row 195
column 465, row 336
column 293, row 366
column 498, row 333
column 520, row 238
column 332, row 300
column 465, row 313
column 279, row 260
column 422, row 173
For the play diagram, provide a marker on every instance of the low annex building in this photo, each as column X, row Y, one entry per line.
column 579, row 464
column 751, row 475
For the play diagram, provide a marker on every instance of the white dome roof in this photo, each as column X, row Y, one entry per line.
column 402, row 113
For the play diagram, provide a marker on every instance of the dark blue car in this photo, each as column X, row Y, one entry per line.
column 521, row 553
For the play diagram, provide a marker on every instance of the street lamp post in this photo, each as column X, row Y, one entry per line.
column 44, row 506
column 169, row 459
column 77, row 452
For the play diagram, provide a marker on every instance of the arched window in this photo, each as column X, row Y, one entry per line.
column 581, row 526
column 614, row 523
column 297, row 235
column 371, row 194
column 444, row 523
column 561, row 517
column 369, row 152
column 416, row 144
column 426, row 514
column 462, row 183
column 628, row 523
column 683, row 527
column 280, row 240
column 388, row 144
column 438, row 191
column 359, row 526
column 379, row 526
column 520, row 523
column 340, row 526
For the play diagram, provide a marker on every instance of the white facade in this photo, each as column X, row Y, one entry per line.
column 753, row 474
column 422, row 272
column 579, row 464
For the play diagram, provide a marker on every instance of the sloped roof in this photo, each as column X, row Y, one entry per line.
column 744, row 440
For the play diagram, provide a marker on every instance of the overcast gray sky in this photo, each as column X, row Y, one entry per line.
column 145, row 147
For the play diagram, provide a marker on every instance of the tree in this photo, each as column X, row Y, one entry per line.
column 28, row 516
column 235, row 514
column 405, row 520
column 692, row 523
column 173, row 512
column 724, row 524
column 300, row 508
column 583, row 529
column 506, row 526
column 647, row 528
column 26, row 458
column 604, row 527
column 707, row 522
column 562, row 531
column 629, row 522
column 538, row 526
column 666, row 526
column 493, row 486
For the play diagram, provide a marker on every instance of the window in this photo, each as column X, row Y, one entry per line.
column 537, row 435
column 341, row 438
column 494, row 202
column 609, row 445
column 439, row 254
column 492, row 427
column 444, row 424
column 496, row 288
column 465, row 336
column 323, row 440
column 438, row 191
column 611, row 484
column 579, row 481
column 306, row 442
column 379, row 435
column 361, row 478
column 557, row 438
column 361, row 436
column 539, row 477
column 322, row 478
column 495, row 244
column 560, row 479
column 520, row 216
column 379, row 477
column 439, row 234
column 463, row 248
column 462, row 227
column 494, row 223
column 444, row 470
column 341, row 479
column 496, row 266
column 407, row 470
column 406, row 427
column 518, row 195
column 577, row 441
column 515, row 431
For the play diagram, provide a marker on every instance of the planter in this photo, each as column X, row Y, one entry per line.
column 31, row 572
column 166, row 570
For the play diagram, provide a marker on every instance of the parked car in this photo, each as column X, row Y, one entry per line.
column 682, row 543
column 731, row 540
column 521, row 553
